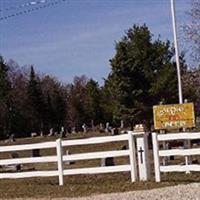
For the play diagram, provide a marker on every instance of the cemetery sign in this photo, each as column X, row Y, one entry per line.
column 174, row 116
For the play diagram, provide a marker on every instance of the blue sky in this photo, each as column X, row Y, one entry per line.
column 78, row 37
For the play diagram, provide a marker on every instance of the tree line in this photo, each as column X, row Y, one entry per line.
column 143, row 73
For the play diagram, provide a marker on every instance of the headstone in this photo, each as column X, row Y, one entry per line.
column 41, row 133
column 124, row 132
column 14, row 155
column 69, row 130
column 101, row 128
column 67, row 153
column 122, row 124
column 17, row 166
column 107, row 129
column 51, row 132
column 195, row 161
column 124, row 147
column 115, row 131
column 62, row 132
column 169, row 147
column 68, row 162
column 73, row 129
column 84, row 127
column 36, row 153
column 33, row 134
column 12, row 138
column 92, row 125
column 109, row 161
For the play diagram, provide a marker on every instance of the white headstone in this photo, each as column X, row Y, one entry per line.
column 122, row 124
column 50, row 132
column 100, row 126
column 67, row 153
column 34, row 134
column 84, row 128
column 107, row 127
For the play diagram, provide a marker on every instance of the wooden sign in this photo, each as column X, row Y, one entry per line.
column 174, row 116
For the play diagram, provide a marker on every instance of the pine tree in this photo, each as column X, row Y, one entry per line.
column 37, row 100
column 93, row 102
column 5, row 84
column 5, row 99
column 142, row 74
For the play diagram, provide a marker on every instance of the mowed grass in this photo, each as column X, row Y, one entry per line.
column 81, row 185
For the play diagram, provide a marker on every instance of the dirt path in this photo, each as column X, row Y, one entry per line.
column 180, row 192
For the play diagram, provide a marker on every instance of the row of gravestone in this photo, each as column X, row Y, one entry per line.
column 101, row 128
column 62, row 134
column 108, row 128
column 108, row 161
column 14, row 155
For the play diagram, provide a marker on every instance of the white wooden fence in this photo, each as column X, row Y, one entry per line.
column 59, row 158
column 156, row 138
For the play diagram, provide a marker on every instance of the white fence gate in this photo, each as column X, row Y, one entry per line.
column 60, row 158
column 156, row 138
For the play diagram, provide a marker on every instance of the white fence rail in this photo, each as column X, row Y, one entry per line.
column 156, row 138
column 59, row 158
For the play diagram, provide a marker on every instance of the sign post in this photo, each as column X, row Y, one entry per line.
column 176, row 51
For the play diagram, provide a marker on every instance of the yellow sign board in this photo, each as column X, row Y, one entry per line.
column 174, row 116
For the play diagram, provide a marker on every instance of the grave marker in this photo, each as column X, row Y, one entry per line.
column 36, row 153
column 109, row 161
column 51, row 133
column 84, row 127
column 121, row 124
column 114, row 131
column 17, row 166
column 62, row 132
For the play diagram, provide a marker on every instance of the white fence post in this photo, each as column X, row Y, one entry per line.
column 187, row 145
column 156, row 156
column 142, row 152
column 60, row 161
column 132, row 157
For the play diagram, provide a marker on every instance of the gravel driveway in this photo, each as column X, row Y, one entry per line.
column 182, row 192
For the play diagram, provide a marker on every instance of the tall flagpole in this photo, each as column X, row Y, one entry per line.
column 176, row 51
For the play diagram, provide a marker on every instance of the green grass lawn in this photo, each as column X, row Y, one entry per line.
column 82, row 185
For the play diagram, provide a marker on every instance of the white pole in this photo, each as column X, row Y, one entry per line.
column 176, row 51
